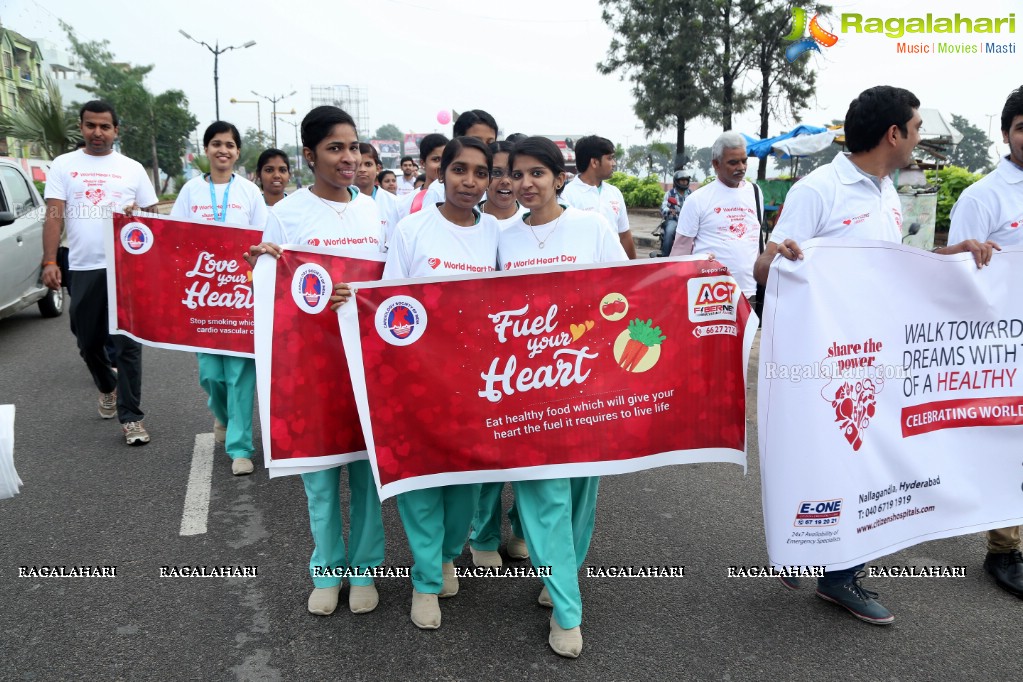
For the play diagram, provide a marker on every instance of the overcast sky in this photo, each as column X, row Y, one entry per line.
column 531, row 63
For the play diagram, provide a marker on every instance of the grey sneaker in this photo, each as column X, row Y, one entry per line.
column 135, row 433
column 859, row 601
column 108, row 404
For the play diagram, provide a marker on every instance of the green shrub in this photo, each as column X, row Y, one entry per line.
column 41, row 186
column 950, row 181
column 645, row 193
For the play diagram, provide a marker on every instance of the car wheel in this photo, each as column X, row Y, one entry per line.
column 52, row 305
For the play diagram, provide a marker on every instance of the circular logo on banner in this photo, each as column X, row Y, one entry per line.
column 136, row 238
column 311, row 288
column 401, row 320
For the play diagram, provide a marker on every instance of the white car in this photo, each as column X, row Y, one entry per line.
column 21, row 246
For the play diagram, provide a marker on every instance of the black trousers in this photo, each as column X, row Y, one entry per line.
column 89, row 320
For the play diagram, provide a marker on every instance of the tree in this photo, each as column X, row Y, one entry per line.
column 389, row 131
column 785, row 87
column 654, row 47
column 733, row 39
column 151, row 127
column 972, row 151
column 43, row 120
column 702, row 160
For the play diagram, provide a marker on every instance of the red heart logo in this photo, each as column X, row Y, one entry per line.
column 1015, row 224
column 717, row 209
column 74, row 174
column 314, row 242
column 195, row 208
column 847, row 221
column 507, row 266
column 434, row 262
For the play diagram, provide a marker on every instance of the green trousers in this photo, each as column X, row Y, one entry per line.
column 437, row 524
column 486, row 524
column 230, row 382
column 366, row 525
column 557, row 516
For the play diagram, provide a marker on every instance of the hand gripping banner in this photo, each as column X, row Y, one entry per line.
column 306, row 407
column 180, row 284
column 890, row 400
column 547, row 373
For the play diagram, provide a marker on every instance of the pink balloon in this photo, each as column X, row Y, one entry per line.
column 444, row 117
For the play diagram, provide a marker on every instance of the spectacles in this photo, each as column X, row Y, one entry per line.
column 499, row 173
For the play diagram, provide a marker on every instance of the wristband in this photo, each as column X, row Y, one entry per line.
column 49, row 262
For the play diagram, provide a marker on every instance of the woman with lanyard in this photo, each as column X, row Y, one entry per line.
column 222, row 196
column 365, row 180
column 330, row 208
column 557, row 515
column 274, row 172
column 454, row 232
column 486, row 525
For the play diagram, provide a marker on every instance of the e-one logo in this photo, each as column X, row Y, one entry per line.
column 712, row 298
column 818, row 513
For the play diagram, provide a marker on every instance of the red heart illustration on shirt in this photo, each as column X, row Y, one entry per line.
column 195, row 208
column 847, row 221
column 95, row 195
column 1015, row 224
column 717, row 209
column 74, row 174
column 434, row 262
column 507, row 266
column 314, row 242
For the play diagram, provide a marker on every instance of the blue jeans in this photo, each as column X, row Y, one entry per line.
column 668, row 238
column 846, row 575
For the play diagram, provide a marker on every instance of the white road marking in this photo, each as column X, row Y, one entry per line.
column 197, row 496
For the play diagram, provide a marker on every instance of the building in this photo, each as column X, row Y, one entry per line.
column 21, row 76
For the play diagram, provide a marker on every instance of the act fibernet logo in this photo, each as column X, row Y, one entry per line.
column 929, row 34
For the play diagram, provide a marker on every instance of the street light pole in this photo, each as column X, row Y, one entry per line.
column 259, row 118
column 298, row 152
column 274, row 101
column 217, row 51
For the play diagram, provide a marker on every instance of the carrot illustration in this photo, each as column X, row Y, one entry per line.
column 642, row 336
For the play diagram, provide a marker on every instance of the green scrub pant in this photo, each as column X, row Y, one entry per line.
column 486, row 524
column 557, row 515
column 230, row 383
column 437, row 524
column 366, row 525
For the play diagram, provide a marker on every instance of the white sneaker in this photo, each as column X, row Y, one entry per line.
column 425, row 611
column 240, row 466
column 486, row 557
column 135, row 433
column 567, row 643
column 517, row 548
column 323, row 600
column 450, row 586
column 108, row 404
column 219, row 431
column 362, row 598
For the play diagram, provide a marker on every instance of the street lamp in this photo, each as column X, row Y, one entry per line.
column 298, row 150
column 259, row 118
column 274, row 101
column 217, row 51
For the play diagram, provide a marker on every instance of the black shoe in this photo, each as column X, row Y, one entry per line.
column 1007, row 570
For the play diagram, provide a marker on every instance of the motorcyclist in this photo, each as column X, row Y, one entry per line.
column 670, row 207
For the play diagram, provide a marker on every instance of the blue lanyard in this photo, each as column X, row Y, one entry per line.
column 222, row 218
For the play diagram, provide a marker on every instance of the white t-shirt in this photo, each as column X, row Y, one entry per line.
column 991, row 208
column 405, row 186
column 387, row 207
column 574, row 238
column 505, row 223
column 92, row 187
column 434, row 195
column 605, row 198
column 837, row 200
column 246, row 205
column 723, row 220
column 426, row 244
column 305, row 219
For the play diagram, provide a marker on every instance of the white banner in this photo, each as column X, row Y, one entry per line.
column 890, row 400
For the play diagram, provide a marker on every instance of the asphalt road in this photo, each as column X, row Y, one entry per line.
column 90, row 500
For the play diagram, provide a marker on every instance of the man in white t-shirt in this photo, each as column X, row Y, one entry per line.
column 853, row 196
column 83, row 188
column 595, row 161
column 723, row 217
column 407, row 181
column 992, row 209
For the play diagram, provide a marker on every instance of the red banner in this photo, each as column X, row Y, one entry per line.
column 306, row 405
column 549, row 373
column 180, row 284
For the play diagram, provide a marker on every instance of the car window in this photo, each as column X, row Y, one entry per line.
column 20, row 200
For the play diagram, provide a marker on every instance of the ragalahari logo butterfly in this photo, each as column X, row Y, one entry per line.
column 807, row 39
